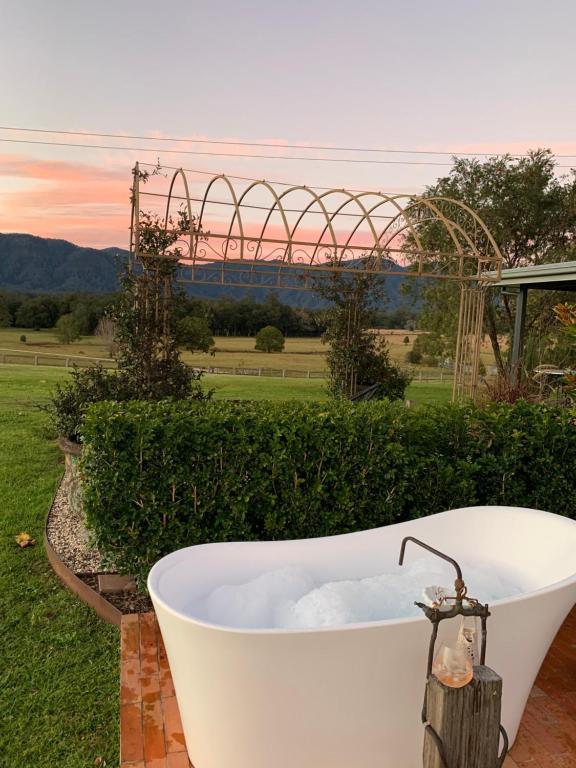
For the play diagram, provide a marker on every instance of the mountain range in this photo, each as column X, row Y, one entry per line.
column 30, row 264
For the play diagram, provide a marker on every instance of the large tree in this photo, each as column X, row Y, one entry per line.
column 531, row 212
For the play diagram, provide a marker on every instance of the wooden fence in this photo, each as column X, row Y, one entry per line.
column 21, row 357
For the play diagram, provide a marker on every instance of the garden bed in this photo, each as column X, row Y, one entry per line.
column 79, row 565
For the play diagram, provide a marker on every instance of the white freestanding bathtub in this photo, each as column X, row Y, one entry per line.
column 351, row 696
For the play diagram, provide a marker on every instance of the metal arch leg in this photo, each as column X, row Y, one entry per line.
column 505, row 745
column 439, row 745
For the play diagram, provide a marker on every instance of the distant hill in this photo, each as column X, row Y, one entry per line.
column 30, row 264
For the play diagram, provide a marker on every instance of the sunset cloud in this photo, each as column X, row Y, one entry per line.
column 89, row 202
column 85, row 203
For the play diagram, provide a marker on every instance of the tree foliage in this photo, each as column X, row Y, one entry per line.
column 269, row 339
column 194, row 334
column 5, row 319
column 532, row 216
column 146, row 341
column 67, row 329
column 145, row 329
column 357, row 356
column 37, row 312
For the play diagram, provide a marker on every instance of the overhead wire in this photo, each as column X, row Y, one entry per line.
column 351, row 160
column 271, row 145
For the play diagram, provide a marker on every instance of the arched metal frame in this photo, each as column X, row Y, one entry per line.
column 229, row 250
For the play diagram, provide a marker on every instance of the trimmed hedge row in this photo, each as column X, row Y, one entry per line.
column 159, row 476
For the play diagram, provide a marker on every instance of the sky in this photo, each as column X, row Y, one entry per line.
column 449, row 76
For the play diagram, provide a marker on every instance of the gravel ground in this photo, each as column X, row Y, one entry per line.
column 70, row 540
column 69, row 537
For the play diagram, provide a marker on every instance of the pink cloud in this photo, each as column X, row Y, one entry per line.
column 88, row 204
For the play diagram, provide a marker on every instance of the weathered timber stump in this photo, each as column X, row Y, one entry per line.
column 72, row 483
column 467, row 721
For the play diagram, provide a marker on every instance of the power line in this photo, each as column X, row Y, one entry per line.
column 272, row 145
column 353, row 161
column 228, row 154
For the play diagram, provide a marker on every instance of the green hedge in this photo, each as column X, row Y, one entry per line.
column 159, row 476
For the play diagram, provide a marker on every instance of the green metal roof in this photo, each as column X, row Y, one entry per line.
column 557, row 277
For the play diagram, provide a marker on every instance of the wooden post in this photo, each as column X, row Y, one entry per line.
column 466, row 719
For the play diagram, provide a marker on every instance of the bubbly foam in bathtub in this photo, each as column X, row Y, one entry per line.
column 291, row 598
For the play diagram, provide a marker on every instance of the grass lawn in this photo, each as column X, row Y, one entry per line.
column 59, row 669
column 22, row 385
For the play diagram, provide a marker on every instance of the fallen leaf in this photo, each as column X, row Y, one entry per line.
column 25, row 540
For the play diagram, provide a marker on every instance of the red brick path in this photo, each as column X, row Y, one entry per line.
column 151, row 731
column 150, row 728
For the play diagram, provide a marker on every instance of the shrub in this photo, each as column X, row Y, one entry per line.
column 414, row 357
column 23, row 338
column 69, row 401
column 159, row 476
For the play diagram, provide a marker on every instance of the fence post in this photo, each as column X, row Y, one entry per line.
column 35, row 359
column 283, row 374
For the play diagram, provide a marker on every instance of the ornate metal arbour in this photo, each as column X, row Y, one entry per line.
column 256, row 233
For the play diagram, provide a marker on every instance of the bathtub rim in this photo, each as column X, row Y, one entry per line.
column 156, row 571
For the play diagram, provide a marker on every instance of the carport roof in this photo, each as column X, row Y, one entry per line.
column 556, row 277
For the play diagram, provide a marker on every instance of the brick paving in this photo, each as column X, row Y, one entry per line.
column 151, row 732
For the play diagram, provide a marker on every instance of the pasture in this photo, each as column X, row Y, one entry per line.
column 299, row 355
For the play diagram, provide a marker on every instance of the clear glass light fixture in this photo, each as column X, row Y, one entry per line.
column 453, row 666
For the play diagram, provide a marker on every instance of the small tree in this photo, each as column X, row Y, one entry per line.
column 149, row 366
column 145, row 329
column 194, row 334
column 269, row 339
column 357, row 357
column 406, row 340
column 67, row 329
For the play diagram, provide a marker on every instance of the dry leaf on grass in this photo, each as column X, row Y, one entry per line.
column 25, row 540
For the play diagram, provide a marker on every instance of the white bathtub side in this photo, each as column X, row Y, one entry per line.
column 337, row 698
column 341, row 697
